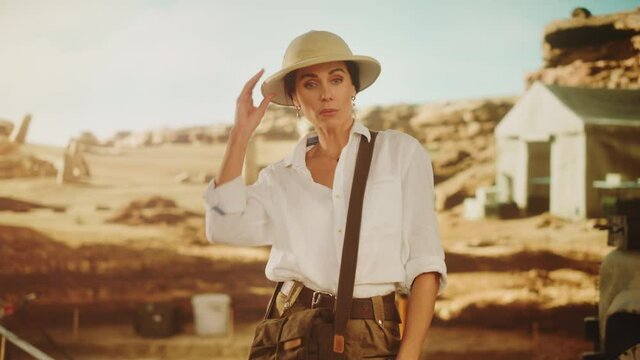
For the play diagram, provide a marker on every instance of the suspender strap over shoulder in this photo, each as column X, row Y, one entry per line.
column 351, row 240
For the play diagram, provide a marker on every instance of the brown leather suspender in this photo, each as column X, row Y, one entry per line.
column 351, row 240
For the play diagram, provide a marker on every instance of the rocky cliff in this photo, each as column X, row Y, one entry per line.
column 594, row 51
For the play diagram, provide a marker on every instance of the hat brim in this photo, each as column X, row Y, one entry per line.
column 368, row 66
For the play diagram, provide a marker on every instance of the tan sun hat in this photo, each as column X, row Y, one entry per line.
column 316, row 47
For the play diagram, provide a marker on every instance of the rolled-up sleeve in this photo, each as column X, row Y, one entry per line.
column 238, row 214
column 421, row 237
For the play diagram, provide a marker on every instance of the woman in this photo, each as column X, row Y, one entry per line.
column 299, row 204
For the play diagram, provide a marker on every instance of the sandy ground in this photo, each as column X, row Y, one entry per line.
column 518, row 289
column 119, row 342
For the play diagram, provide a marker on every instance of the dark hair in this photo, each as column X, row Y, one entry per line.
column 352, row 69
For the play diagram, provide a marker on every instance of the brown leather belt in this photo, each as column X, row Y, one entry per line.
column 361, row 308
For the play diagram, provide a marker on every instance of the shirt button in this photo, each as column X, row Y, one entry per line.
column 339, row 230
column 337, row 196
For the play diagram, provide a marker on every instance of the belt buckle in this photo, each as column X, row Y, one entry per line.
column 315, row 297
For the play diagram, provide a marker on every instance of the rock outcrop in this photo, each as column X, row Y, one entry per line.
column 457, row 134
column 217, row 133
column 594, row 51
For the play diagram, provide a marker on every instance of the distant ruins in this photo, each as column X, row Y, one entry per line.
column 74, row 165
column 17, row 162
column 14, row 160
column 217, row 133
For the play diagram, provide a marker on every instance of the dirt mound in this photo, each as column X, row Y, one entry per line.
column 23, row 249
column 151, row 210
column 17, row 163
column 520, row 260
column 12, row 204
column 520, row 297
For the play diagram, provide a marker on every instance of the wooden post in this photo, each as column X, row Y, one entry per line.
column 25, row 346
column 3, row 344
column 21, row 133
column 65, row 173
column 74, row 165
column 76, row 323
column 230, row 327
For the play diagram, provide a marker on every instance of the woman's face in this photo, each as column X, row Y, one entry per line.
column 324, row 92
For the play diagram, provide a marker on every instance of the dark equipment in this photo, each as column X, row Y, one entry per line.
column 157, row 320
column 615, row 332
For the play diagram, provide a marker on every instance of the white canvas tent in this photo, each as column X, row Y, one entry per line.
column 557, row 140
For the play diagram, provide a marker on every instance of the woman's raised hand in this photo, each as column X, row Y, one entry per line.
column 246, row 121
column 248, row 116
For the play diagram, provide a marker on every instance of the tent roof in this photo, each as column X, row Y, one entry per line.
column 551, row 109
column 601, row 106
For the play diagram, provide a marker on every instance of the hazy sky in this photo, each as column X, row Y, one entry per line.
column 106, row 66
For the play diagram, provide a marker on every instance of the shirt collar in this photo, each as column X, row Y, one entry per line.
column 297, row 155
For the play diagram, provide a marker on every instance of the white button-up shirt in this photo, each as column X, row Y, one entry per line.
column 304, row 221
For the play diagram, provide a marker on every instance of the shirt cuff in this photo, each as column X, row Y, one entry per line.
column 421, row 265
column 230, row 197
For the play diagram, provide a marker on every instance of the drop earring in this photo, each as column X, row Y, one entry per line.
column 298, row 111
column 353, row 107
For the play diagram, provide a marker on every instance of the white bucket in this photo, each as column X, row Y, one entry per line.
column 473, row 209
column 211, row 313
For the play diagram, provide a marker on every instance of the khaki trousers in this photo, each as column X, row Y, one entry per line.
column 364, row 338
